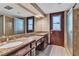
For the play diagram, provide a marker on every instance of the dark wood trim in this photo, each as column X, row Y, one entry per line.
column 74, row 5
column 27, row 24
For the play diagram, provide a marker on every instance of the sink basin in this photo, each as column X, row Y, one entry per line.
column 11, row 44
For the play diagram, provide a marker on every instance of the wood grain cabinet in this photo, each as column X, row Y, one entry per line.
column 33, row 44
column 28, row 54
column 38, row 42
column 22, row 51
column 33, row 52
column 42, row 39
column 33, row 48
column 42, row 43
column 45, row 41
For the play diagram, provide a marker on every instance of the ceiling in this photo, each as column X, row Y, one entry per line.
column 77, row 6
column 55, row 7
column 19, row 10
column 16, row 11
column 31, row 8
column 35, row 9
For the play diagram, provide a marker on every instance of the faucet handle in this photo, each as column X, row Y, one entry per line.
column 7, row 39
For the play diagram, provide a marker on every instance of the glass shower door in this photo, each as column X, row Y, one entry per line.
column 70, row 25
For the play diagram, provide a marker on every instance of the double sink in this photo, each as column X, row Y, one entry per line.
column 15, row 43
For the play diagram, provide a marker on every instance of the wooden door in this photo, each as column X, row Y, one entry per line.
column 57, row 28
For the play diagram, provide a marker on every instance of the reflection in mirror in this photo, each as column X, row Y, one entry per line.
column 1, row 26
column 19, row 26
column 9, row 28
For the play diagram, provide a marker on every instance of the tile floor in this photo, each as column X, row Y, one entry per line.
column 53, row 50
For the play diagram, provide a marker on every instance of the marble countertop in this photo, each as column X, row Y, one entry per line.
column 25, row 40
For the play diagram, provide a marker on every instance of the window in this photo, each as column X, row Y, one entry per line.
column 30, row 24
column 56, row 23
column 19, row 26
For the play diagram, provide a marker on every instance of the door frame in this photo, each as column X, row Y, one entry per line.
column 50, row 17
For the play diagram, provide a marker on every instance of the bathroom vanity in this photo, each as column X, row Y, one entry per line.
column 28, row 47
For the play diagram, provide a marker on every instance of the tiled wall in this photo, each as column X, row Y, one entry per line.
column 43, row 25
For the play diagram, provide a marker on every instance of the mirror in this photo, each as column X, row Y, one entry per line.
column 11, row 26
column 18, row 26
column 1, row 26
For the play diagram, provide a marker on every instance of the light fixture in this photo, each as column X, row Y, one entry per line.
column 8, row 7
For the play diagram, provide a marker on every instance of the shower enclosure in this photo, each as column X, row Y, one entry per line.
column 70, row 29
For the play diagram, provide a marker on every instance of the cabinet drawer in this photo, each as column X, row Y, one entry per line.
column 22, row 51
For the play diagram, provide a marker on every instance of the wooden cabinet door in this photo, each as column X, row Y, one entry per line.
column 33, row 52
column 22, row 51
